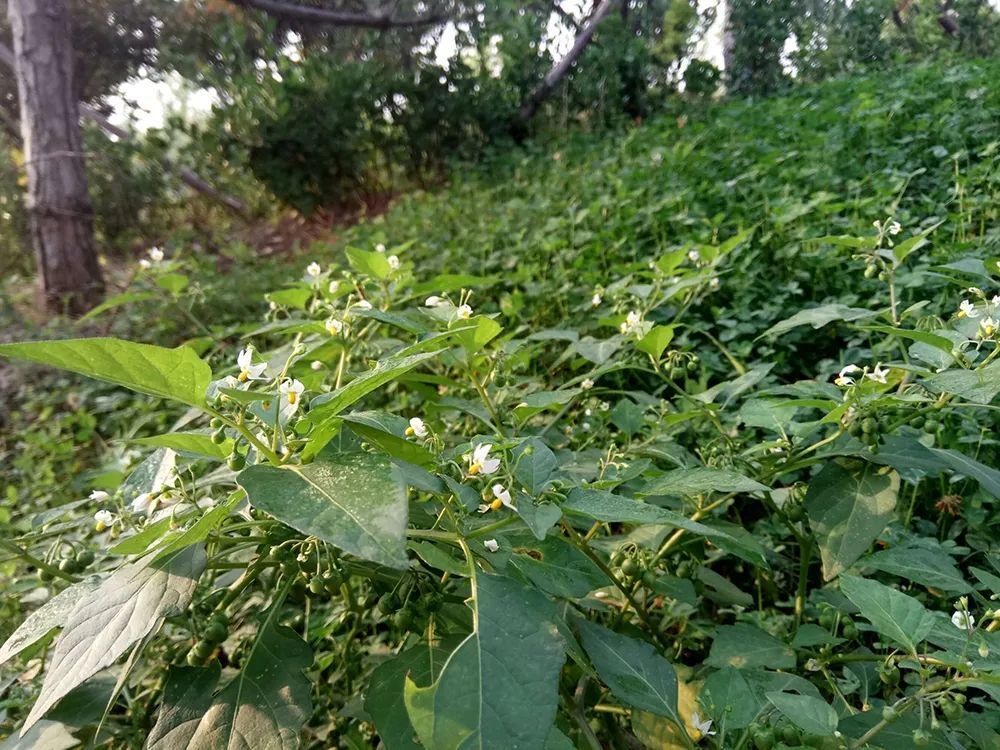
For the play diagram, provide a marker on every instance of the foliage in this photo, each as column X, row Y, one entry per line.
column 571, row 454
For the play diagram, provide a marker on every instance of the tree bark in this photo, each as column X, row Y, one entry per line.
column 58, row 201
column 561, row 68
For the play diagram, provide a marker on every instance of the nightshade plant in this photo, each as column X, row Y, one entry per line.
column 504, row 560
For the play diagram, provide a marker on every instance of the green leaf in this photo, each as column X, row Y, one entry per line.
column 45, row 735
column 810, row 714
column 46, row 618
column 384, row 696
column 746, row 646
column 632, row 669
column 123, row 610
column 894, row 614
column 353, row 500
column 486, row 329
column 117, row 301
column 537, row 402
column 177, row 374
column 555, row 566
column 924, row 337
column 978, row 386
column 499, row 688
column 369, row 262
column 197, row 443
column 729, row 699
column 654, row 342
column 175, row 283
column 700, row 480
column 817, row 317
column 929, row 567
column 386, row 432
column 535, row 465
column 264, row 706
column 847, row 509
column 451, row 282
column 594, row 350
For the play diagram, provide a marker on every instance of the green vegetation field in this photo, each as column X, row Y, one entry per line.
column 677, row 436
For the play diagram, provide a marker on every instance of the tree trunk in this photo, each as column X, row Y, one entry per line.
column 62, row 222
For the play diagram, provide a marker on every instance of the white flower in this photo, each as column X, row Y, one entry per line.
column 587, row 384
column 333, row 287
column 503, row 495
column 334, row 327
column 975, row 290
column 963, row 620
column 631, row 324
column 895, row 228
column 585, row 426
column 879, row 374
column 248, row 370
column 843, row 379
column 492, row 545
column 98, row 496
column 363, row 304
column 596, row 300
column 316, row 365
column 464, row 312
column 380, row 248
column 143, row 503
column 103, row 519
column 967, row 310
column 995, row 300
column 272, row 305
column 417, row 428
column 988, row 326
column 155, row 254
column 145, row 264
column 877, row 224
column 292, row 391
column 313, row 270
column 480, row 461
column 694, row 256
column 703, row 727
column 393, row 261
column 714, row 283
column 434, row 301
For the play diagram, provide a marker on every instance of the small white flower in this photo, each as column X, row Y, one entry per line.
column 995, row 300
column 714, row 283
column 492, row 545
column 272, row 305
column 879, row 374
column 596, row 300
column 380, row 248
column 103, row 519
column 393, row 261
column 963, row 620
column 155, row 254
column 464, row 312
column 585, row 426
column 703, row 727
column 843, row 379
column 656, row 157
column 988, row 327
column 316, row 365
column 248, row 370
column 334, row 327
column 434, row 301
column 363, row 304
column 967, row 310
column 480, row 461
column 98, row 496
column 292, row 391
column 975, row 291
column 313, row 270
column 417, row 428
column 145, row 264
column 877, row 224
column 587, row 384
column 503, row 495
column 143, row 503
column 333, row 287
column 694, row 256
column 895, row 228
column 631, row 324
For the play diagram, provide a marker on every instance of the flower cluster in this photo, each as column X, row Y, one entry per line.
column 849, row 375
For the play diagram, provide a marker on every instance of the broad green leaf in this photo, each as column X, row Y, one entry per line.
column 534, row 465
column 386, row 432
column 49, row 616
column 847, row 509
column 117, row 301
column 810, row 714
column 539, row 517
column 263, row 707
column 594, row 350
column 632, row 669
column 700, row 480
column 537, row 402
column 661, row 733
column 296, row 297
column 924, row 337
column 369, row 262
column 189, row 442
column 555, row 566
column 175, row 283
column 729, row 699
column 142, row 540
column 486, row 329
column 384, row 696
column 654, row 342
column 353, row 500
column 177, row 374
column 499, row 688
column 928, row 567
column 894, row 614
column 746, row 646
column 123, row 610
column 45, row 735
column 628, row 416
column 978, row 386
column 817, row 317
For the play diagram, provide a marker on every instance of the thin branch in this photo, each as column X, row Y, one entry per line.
column 310, row 14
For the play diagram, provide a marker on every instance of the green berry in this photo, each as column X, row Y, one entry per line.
column 216, row 632
column 649, row 579
column 236, row 461
column 763, row 738
column 921, row 738
column 67, row 566
column 44, row 575
column 84, row 558
column 918, row 421
column 871, row 270
column 676, row 373
column 790, row 734
column 889, row 714
column 630, row 568
column 219, row 436
column 869, row 425
column 216, row 423
column 795, row 512
column 316, row 585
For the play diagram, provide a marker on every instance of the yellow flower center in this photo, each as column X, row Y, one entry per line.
column 292, row 397
column 475, row 469
column 244, row 376
column 408, row 432
column 497, row 504
column 962, row 313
